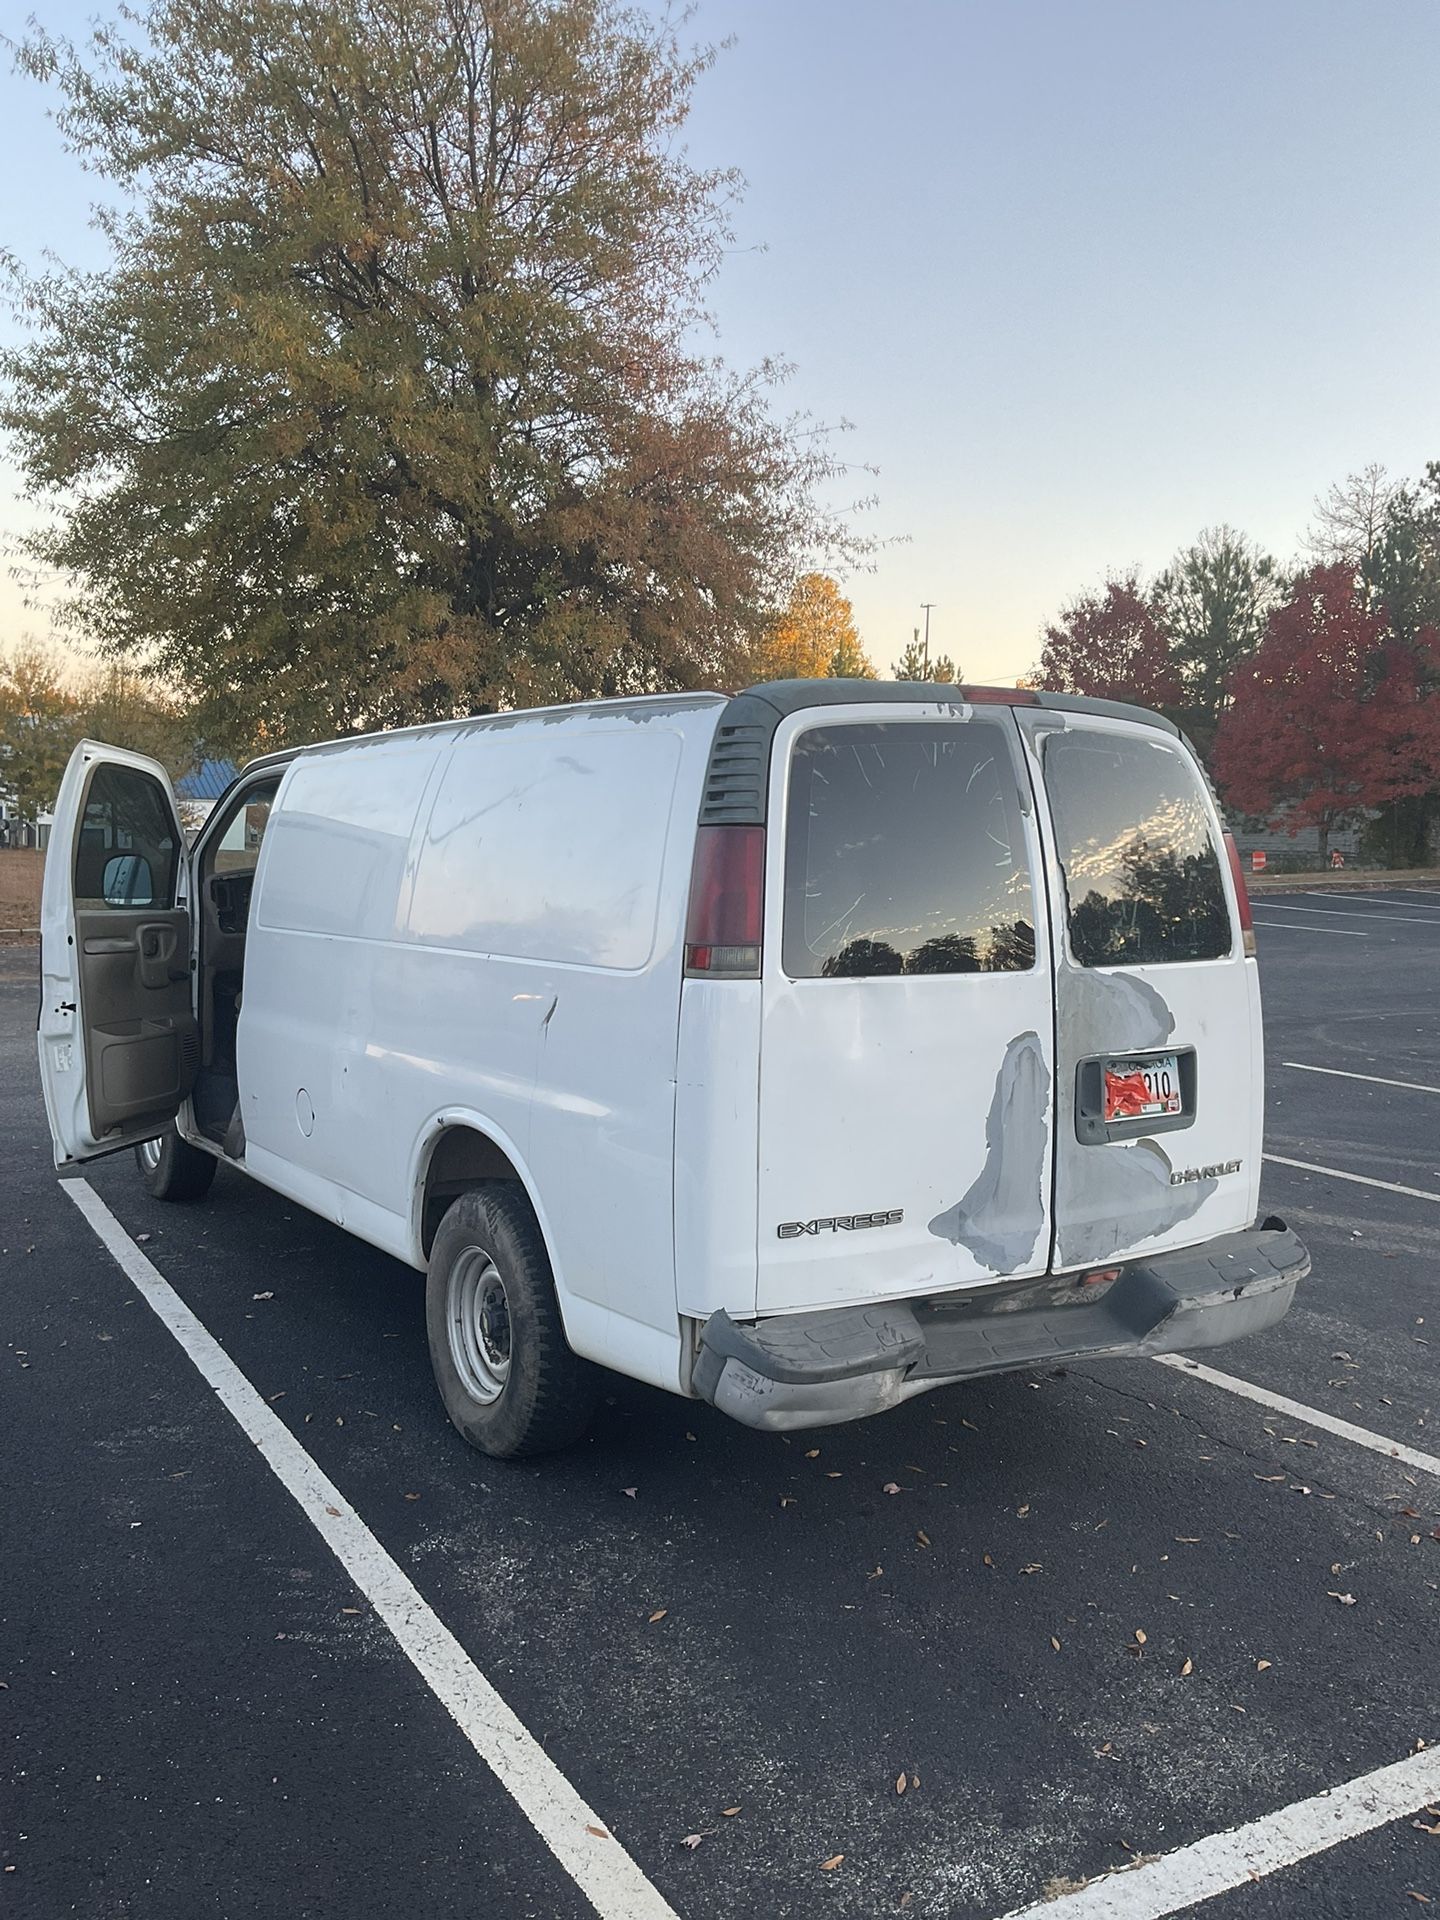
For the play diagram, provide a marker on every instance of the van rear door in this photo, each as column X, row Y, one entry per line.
column 907, row 1030
column 1159, row 1057
column 118, row 1042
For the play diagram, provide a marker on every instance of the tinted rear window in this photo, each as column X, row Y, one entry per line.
column 905, row 853
column 1141, row 867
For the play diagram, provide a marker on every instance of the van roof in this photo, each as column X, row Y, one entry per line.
column 763, row 705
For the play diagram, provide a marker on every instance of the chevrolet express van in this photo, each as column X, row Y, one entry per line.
column 800, row 1050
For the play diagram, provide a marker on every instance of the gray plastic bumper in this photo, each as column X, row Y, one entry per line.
column 816, row 1369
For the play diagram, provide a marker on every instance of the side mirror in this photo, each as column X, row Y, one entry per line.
column 128, row 881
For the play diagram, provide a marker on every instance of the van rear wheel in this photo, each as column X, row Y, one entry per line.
column 506, row 1375
column 174, row 1170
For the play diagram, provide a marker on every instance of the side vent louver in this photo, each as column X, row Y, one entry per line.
column 735, row 779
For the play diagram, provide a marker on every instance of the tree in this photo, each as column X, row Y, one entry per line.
column 48, row 704
column 1351, row 519
column 40, row 721
column 815, row 638
column 1212, row 603
column 1110, row 646
column 388, row 405
column 940, row 668
column 1333, row 714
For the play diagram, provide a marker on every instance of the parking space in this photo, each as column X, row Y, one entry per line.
column 1089, row 1616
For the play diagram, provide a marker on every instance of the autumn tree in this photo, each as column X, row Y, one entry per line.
column 1110, row 646
column 388, row 405
column 1212, row 603
column 47, row 704
column 814, row 638
column 1333, row 714
column 913, row 665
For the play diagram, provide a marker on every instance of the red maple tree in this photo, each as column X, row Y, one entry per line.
column 1110, row 646
column 1332, row 714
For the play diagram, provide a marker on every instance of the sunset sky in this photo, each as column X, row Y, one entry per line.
column 1085, row 277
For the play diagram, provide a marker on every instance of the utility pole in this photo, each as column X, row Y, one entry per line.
column 927, row 605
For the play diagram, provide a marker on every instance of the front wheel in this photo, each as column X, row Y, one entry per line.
column 506, row 1375
column 172, row 1169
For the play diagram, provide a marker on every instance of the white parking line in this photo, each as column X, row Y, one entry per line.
column 1340, row 913
column 574, row 1833
column 1340, row 1073
column 1379, row 900
column 1287, row 926
column 1360, row 1179
column 1307, row 1416
column 1223, row 1861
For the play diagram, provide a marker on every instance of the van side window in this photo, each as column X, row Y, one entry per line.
column 905, row 853
column 1141, row 868
column 127, row 853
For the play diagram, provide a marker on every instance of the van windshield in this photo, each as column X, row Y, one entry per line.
column 905, row 853
column 1141, row 867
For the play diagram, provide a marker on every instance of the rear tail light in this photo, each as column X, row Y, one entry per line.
column 1242, row 897
column 727, row 901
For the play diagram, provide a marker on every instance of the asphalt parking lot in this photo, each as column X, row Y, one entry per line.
column 1091, row 1616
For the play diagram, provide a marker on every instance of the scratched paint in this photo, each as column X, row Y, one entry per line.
column 1001, row 1215
column 1116, row 1195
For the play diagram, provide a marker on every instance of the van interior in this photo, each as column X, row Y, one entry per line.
column 224, row 880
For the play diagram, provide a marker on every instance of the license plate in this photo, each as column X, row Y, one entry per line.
column 1141, row 1089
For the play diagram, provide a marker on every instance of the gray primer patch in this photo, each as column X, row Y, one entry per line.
column 1001, row 1216
column 1108, row 1197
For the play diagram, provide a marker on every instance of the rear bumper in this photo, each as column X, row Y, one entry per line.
column 816, row 1369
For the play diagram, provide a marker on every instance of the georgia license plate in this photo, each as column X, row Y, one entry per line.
column 1141, row 1089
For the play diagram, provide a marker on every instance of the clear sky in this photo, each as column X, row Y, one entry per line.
column 1086, row 275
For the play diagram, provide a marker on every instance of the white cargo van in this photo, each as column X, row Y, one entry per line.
column 800, row 1050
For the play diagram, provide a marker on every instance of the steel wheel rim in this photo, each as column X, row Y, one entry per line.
column 150, row 1155
column 478, row 1321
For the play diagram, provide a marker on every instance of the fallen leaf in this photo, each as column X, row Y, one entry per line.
column 1140, row 1636
column 1262, row 1666
column 813, row 1454
column 987, row 1560
column 1187, row 1539
column 729, row 1812
column 914, row 1780
column 1423, row 1898
column 834, row 1476
column 276, row 1396
column 1345, row 1599
column 599, row 1832
column 787, row 1500
column 901, row 1782
column 829, row 1866
column 971, row 1424
column 352, row 1609
column 141, row 1238
column 334, row 1512
column 1269, row 1479
column 691, row 1840
column 659, row 1614
column 1034, row 1567
column 1189, row 1666
column 922, row 1536
column 891, row 1486
column 412, row 1496
column 1054, row 1643
column 1022, row 1511
column 629, row 1492
column 263, row 1296
column 1421, row 1827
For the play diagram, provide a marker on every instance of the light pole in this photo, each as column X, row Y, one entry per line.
column 927, row 605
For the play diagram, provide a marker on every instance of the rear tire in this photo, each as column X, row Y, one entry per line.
column 506, row 1374
column 174, row 1170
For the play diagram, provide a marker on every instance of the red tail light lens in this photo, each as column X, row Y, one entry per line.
column 1242, row 896
column 727, row 903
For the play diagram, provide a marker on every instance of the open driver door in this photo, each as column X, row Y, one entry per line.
column 118, row 1041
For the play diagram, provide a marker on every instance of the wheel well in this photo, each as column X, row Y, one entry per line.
column 460, row 1158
